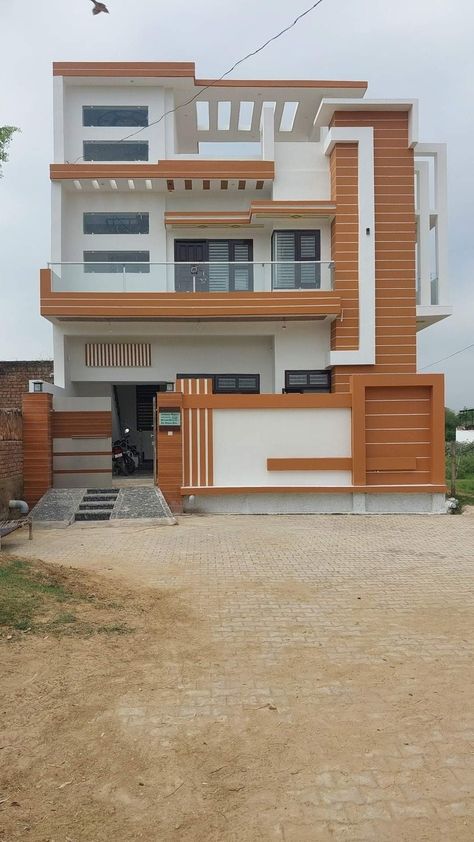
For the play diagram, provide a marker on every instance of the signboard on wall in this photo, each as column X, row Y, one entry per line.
column 169, row 418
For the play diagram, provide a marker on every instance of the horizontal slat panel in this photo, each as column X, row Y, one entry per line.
column 391, row 463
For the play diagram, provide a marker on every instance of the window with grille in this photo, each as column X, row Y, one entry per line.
column 297, row 255
column 308, row 380
column 224, row 384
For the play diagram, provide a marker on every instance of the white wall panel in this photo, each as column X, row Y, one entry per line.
column 245, row 439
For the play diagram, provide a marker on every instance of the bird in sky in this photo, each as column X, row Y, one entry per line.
column 99, row 7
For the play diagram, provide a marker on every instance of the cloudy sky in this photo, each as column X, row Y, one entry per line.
column 411, row 48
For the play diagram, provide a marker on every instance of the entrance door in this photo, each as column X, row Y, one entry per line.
column 192, row 276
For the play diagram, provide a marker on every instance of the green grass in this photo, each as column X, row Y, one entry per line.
column 36, row 598
column 465, row 491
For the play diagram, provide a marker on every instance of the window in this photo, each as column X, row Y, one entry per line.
column 225, row 384
column 115, row 150
column 116, row 223
column 115, row 115
column 308, row 380
column 297, row 254
column 214, row 265
column 117, row 261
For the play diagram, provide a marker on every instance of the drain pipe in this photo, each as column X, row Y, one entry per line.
column 19, row 504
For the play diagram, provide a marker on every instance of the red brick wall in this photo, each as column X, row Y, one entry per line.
column 14, row 377
column 11, row 459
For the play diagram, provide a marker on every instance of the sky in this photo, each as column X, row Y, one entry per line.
column 409, row 49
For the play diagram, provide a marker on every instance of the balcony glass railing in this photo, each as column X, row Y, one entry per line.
column 192, row 277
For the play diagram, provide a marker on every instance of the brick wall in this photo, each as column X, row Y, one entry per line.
column 14, row 377
column 11, row 459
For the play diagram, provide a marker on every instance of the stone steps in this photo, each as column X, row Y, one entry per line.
column 97, row 504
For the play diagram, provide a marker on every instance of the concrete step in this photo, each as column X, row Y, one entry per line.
column 102, row 490
column 104, row 498
column 95, row 506
column 93, row 514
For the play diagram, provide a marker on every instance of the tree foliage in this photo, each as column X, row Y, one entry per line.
column 6, row 133
column 450, row 424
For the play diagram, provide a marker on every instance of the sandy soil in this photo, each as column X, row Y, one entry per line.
column 89, row 751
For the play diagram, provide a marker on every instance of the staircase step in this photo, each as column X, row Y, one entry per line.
column 95, row 506
column 93, row 514
column 104, row 498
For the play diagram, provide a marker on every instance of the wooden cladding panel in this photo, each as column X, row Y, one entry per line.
column 167, row 170
column 83, row 424
column 344, row 244
column 118, row 354
column 395, row 230
column 298, row 304
column 37, row 445
column 169, row 453
column 398, row 430
column 335, row 463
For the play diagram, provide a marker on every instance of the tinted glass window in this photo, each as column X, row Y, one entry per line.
column 115, row 150
column 115, row 115
column 117, row 261
column 116, row 223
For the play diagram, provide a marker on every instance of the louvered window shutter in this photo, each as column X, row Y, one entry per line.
column 218, row 274
column 284, row 276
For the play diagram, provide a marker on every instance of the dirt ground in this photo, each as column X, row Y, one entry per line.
column 115, row 736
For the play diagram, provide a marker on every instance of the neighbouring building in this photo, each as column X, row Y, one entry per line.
column 15, row 376
column 256, row 256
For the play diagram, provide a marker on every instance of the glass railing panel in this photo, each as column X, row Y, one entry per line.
column 214, row 276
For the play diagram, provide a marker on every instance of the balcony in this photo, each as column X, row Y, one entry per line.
column 190, row 291
column 192, row 277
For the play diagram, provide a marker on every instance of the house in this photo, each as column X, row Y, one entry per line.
column 255, row 257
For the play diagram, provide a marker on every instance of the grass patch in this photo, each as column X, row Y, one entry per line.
column 465, row 491
column 39, row 598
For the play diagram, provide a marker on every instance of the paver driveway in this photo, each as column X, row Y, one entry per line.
column 340, row 686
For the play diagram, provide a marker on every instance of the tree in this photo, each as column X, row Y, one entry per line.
column 450, row 424
column 6, row 133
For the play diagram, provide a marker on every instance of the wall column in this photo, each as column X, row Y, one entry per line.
column 37, row 410
column 169, row 451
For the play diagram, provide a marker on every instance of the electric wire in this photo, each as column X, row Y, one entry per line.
column 227, row 72
column 461, row 351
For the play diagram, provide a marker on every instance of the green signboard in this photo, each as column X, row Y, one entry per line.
column 169, row 418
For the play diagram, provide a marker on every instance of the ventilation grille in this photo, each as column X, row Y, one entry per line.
column 118, row 354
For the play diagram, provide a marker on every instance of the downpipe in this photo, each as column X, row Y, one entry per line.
column 19, row 504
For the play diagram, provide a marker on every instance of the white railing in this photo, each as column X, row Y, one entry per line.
column 237, row 276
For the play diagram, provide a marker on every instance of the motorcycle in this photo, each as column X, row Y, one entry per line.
column 119, row 465
column 128, row 452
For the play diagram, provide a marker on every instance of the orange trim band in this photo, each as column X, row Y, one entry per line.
column 322, row 464
column 257, row 209
column 194, row 168
column 268, row 401
column 179, row 69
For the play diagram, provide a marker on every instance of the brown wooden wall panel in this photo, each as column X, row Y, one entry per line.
column 169, row 453
column 336, row 463
column 83, row 424
column 395, row 237
column 296, row 304
column 37, row 445
column 398, row 430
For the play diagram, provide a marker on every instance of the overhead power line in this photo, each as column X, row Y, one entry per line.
column 461, row 350
column 227, row 72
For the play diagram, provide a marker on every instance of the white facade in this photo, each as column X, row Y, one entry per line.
column 300, row 151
